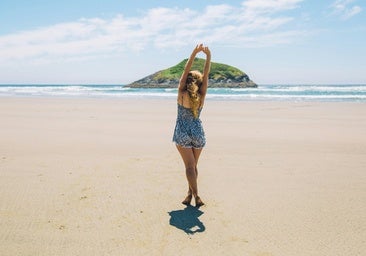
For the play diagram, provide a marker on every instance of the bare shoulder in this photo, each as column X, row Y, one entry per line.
column 181, row 93
column 183, row 98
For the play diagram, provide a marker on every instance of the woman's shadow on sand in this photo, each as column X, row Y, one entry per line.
column 187, row 220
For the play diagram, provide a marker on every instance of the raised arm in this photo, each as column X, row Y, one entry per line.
column 187, row 68
column 206, row 71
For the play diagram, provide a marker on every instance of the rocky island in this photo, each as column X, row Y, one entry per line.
column 221, row 75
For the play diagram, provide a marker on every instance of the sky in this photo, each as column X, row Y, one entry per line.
column 118, row 42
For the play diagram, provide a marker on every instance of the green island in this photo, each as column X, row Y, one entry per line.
column 221, row 75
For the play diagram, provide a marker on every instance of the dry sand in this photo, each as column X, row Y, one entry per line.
column 102, row 177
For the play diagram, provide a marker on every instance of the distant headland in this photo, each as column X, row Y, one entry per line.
column 221, row 75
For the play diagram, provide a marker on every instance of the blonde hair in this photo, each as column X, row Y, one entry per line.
column 193, row 83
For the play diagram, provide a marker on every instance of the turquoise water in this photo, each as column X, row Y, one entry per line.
column 262, row 93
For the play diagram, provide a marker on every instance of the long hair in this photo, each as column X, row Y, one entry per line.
column 193, row 83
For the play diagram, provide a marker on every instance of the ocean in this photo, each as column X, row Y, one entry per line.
column 350, row 93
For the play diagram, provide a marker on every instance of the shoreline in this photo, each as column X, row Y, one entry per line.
column 102, row 176
column 287, row 93
column 173, row 98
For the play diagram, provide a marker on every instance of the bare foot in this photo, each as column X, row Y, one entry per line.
column 187, row 200
column 199, row 202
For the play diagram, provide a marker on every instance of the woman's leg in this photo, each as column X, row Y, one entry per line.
column 197, row 153
column 190, row 158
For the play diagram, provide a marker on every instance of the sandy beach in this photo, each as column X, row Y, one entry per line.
column 102, row 177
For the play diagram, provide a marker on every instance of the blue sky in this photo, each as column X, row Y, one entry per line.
column 118, row 42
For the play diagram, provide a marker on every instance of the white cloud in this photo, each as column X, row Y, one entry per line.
column 345, row 8
column 265, row 6
column 352, row 12
column 253, row 23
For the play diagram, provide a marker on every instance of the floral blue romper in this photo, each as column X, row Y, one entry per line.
column 188, row 132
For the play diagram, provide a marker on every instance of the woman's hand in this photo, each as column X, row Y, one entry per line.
column 197, row 49
column 206, row 51
column 201, row 48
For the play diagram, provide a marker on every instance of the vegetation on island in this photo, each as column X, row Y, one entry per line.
column 221, row 75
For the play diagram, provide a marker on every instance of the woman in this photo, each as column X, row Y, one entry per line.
column 188, row 134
